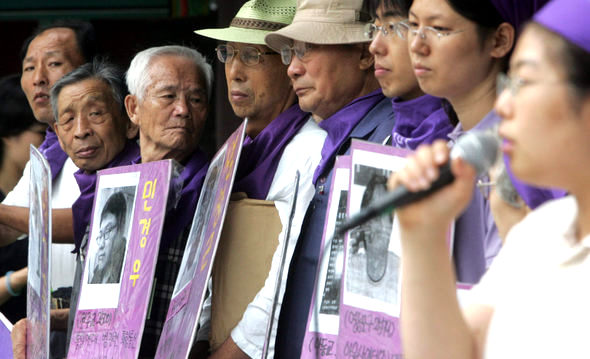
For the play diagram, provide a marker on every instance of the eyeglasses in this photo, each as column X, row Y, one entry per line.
column 505, row 82
column 249, row 55
column 485, row 187
column 427, row 31
column 299, row 48
column 106, row 233
column 399, row 28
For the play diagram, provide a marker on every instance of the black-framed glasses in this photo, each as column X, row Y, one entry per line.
column 106, row 233
column 299, row 48
column 398, row 28
column 249, row 55
column 428, row 31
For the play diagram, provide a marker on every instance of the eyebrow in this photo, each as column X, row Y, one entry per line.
column 524, row 62
column 431, row 17
column 47, row 54
column 175, row 87
column 391, row 13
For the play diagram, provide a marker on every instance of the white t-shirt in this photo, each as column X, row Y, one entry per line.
column 65, row 192
column 539, row 287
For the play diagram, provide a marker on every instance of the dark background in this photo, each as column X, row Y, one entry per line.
column 123, row 28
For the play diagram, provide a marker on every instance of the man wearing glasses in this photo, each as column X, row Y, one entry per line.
column 281, row 139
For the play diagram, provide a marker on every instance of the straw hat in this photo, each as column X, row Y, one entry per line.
column 254, row 20
column 324, row 22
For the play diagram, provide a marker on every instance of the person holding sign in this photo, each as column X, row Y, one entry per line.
column 170, row 88
column 533, row 300
column 280, row 140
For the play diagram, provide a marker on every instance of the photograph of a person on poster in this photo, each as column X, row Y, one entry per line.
column 111, row 242
column 373, row 269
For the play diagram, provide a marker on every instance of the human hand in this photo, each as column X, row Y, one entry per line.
column 438, row 210
column 19, row 339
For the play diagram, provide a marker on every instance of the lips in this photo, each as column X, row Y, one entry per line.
column 380, row 70
column 301, row 91
column 421, row 70
column 86, row 152
column 41, row 97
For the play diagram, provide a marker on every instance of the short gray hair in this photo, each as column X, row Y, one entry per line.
column 97, row 69
column 138, row 76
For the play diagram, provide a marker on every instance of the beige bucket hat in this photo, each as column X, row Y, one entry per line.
column 324, row 22
column 254, row 20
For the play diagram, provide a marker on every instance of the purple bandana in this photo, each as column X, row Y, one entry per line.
column 417, row 121
column 82, row 208
column 53, row 152
column 260, row 156
column 191, row 178
column 517, row 12
column 569, row 18
column 339, row 126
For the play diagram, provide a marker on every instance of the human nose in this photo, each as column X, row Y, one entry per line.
column 234, row 70
column 376, row 47
column 40, row 76
column 181, row 107
column 503, row 105
column 296, row 68
column 82, row 128
column 417, row 43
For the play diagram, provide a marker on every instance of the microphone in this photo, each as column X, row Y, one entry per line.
column 478, row 148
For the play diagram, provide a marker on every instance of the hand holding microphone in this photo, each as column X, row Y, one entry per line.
column 429, row 171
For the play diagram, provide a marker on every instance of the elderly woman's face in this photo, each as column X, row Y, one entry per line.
column 108, row 234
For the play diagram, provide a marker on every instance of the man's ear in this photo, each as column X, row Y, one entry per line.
column 503, row 40
column 131, row 108
column 131, row 130
column 367, row 59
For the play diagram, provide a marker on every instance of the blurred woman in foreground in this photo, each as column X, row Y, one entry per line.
column 533, row 301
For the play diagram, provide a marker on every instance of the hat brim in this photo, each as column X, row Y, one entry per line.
column 236, row 34
column 316, row 33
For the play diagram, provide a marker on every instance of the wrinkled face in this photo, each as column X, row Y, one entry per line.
column 393, row 68
column 450, row 66
column 545, row 131
column 50, row 56
column 259, row 91
column 90, row 126
column 328, row 77
column 109, row 233
column 173, row 110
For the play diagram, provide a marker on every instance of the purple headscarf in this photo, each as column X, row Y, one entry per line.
column 517, row 12
column 53, row 152
column 569, row 18
column 339, row 126
column 260, row 156
column 82, row 208
column 417, row 121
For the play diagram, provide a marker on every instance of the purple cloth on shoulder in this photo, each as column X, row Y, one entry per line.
column 339, row 125
column 517, row 12
column 82, row 208
column 53, row 152
column 569, row 18
column 417, row 121
column 179, row 217
column 260, row 156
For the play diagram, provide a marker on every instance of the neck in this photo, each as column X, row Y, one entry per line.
column 9, row 176
column 476, row 104
column 258, row 123
column 369, row 85
column 151, row 152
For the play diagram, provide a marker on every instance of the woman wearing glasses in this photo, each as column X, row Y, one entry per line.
column 533, row 301
column 457, row 49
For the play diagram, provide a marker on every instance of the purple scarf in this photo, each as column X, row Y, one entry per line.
column 260, row 156
column 417, row 121
column 53, row 152
column 339, row 126
column 191, row 179
column 82, row 208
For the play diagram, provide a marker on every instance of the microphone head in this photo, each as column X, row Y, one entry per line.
column 478, row 148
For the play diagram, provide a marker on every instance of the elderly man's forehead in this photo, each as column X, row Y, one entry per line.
column 55, row 40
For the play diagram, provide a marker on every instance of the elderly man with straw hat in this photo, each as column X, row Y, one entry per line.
column 332, row 73
column 281, row 140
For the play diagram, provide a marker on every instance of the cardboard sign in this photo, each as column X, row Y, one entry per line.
column 38, row 289
column 191, row 284
column 125, row 230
